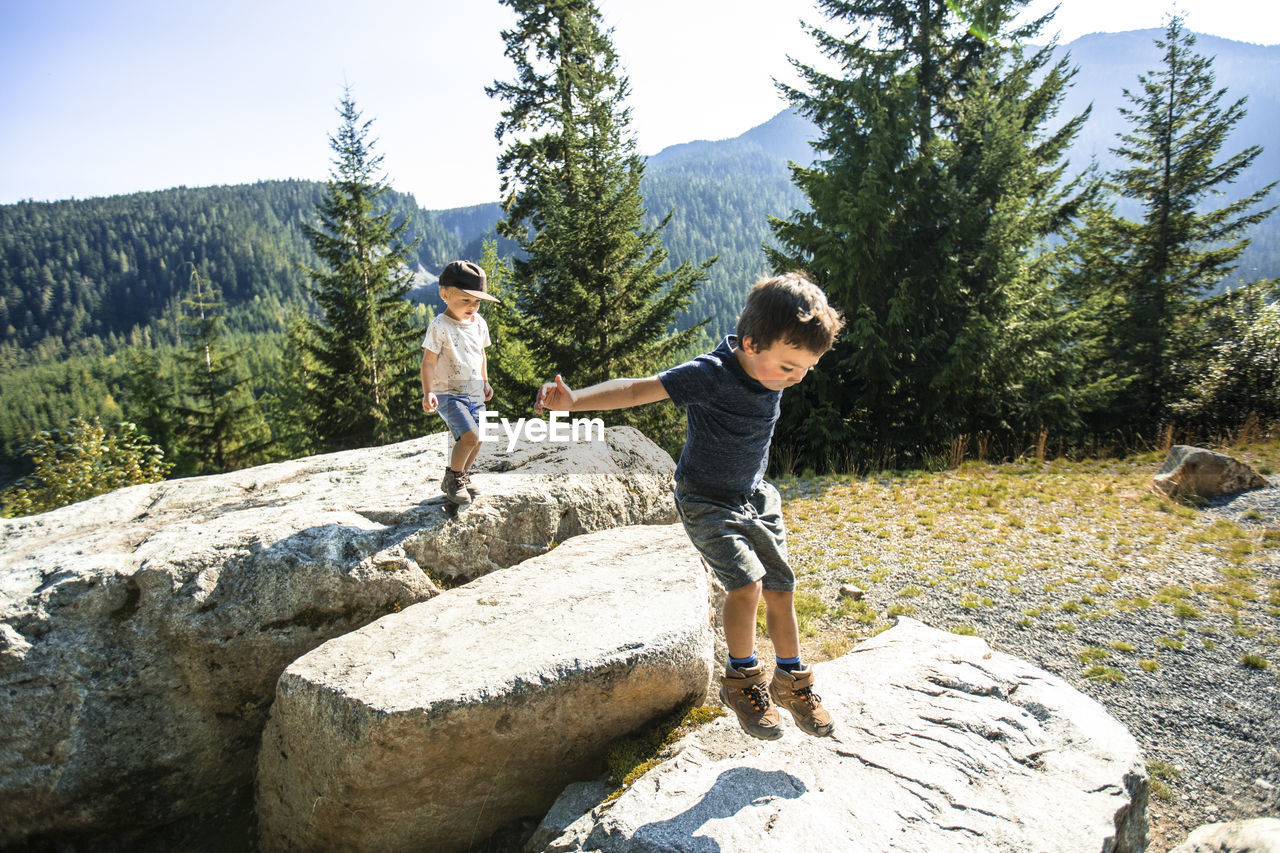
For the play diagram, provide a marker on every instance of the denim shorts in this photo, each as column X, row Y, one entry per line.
column 741, row 542
column 461, row 414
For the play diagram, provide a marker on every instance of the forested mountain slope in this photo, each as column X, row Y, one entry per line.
column 105, row 270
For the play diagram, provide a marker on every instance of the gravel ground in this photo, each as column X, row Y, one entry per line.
column 1051, row 561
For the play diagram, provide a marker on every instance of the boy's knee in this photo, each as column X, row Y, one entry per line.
column 469, row 439
column 751, row 590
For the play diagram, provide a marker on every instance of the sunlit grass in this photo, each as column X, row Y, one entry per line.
column 1074, row 538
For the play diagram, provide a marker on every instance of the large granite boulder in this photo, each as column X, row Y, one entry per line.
column 1260, row 835
column 1194, row 471
column 941, row 744
column 142, row 632
column 432, row 727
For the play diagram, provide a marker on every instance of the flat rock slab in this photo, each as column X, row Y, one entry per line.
column 941, row 745
column 142, row 632
column 430, row 728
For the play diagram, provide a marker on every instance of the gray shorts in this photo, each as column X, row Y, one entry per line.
column 743, row 543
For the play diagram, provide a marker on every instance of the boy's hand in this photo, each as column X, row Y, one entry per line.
column 555, row 396
column 488, row 391
column 429, row 402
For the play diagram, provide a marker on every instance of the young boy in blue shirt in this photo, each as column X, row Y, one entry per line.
column 732, row 396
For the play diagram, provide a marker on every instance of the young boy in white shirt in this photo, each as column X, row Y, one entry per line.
column 455, row 371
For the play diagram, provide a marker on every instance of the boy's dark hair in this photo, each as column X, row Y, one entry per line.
column 791, row 309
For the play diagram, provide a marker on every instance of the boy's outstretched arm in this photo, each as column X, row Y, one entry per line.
column 613, row 394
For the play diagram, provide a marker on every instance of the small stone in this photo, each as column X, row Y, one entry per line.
column 1264, row 784
column 851, row 591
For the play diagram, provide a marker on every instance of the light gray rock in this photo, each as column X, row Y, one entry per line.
column 1261, row 835
column 1195, row 471
column 574, row 802
column 941, row 745
column 142, row 632
column 430, row 728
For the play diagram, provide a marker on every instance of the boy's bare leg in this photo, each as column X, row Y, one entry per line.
column 780, row 618
column 744, row 690
column 793, row 690
column 472, row 457
column 740, row 607
column 464, row 451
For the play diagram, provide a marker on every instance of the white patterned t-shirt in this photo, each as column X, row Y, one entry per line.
column 459, row 350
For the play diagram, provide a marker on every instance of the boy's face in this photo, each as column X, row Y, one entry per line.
column 462, row 305
column 780, row 366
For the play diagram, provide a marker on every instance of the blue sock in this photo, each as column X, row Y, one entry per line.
column 743, row 663
column 790, row 664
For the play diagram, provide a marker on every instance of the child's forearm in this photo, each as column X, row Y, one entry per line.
column 618, row 394
column 428, row 373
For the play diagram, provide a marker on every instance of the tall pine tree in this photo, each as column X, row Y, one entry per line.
column 1151, row 335
column 364, row 351
column 933, row 192
column 219, row 425
column 591, row 301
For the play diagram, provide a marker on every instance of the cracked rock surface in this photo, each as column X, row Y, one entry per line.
column 941, row 744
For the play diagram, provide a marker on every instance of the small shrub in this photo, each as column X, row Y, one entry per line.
column 964, row 630
column 1122, row 645
column 1104, row 674
column 1254, row 661
column 1148, row 665
column 1089, row 654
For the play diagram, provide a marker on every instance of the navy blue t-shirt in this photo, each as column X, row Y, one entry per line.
column 731, row 420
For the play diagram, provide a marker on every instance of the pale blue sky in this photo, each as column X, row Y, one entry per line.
column 99, row 97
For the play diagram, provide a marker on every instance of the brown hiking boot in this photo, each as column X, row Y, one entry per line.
column 465, row 479
column 744, row 692
column 453, row 487
column 794, row 691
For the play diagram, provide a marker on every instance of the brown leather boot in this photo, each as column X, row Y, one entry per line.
column 465, row 479
column 794, row 692
column 454, row 488
column 743, row 691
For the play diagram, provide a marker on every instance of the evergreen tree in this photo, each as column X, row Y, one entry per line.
column 1242, row 377
column 364, row 350
column 934, row 190
column 149, row 398
column 512, row 372
column 221, row 427
column 1152, row 335
column 591, row 302
column 290, row 407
